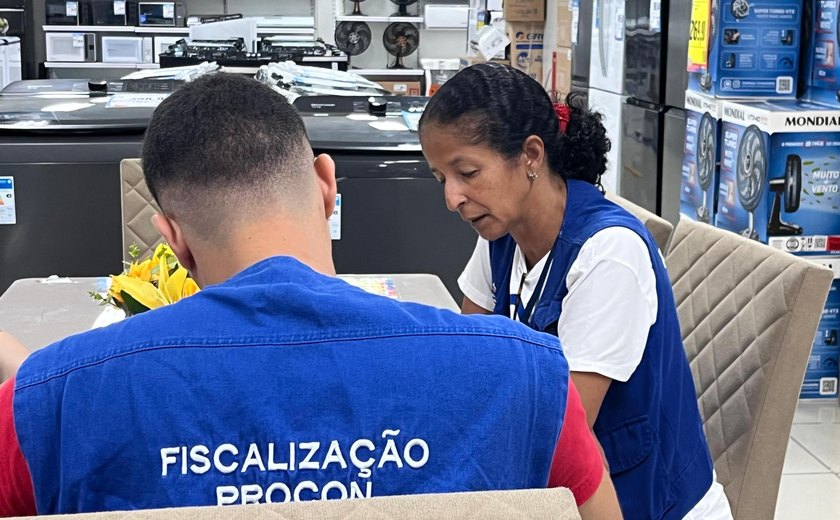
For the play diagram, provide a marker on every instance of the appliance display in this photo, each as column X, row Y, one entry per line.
column 752, row 49
column 655, row 81
column 779, row 179
column 353, row 38
column 233, row 52
column 67, row 12
column 403, row 7
column 357, row 8
column 161, row 44
column 581, row 43
column 195, row 19
column 10, row 64
column 700, row 173
column 822, row 58
column 108, row 12
column 401, row 39
column 71, row 47
column 123, row 49
column 163, row 14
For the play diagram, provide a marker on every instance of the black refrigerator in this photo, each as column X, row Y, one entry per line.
column 656, row 47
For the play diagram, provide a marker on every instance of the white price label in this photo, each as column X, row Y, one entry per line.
column 575, row 23
column 619, row 21
column 119, row 7
column 78, row 41
column 71, row 8
column 8, row 214
column 656, row 15
column 169, row 10
column 335, row 219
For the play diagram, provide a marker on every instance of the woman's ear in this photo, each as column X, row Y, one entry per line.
column 533, row 150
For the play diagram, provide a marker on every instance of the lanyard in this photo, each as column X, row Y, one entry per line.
column 524, row 313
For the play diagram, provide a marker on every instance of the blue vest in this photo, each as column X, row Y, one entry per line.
column 282, row 384
column 650, row 426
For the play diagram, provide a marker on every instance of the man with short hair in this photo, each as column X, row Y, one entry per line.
column 279, row 382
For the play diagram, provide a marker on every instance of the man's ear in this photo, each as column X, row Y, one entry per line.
column 174, row 236
column 327, row 185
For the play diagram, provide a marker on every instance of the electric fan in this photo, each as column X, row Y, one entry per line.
column 705, row 160
column 787, row 187
column 353, row 38
column 750, row 175
column 400, row 39
column 403, row 5
column 706, row 77
column 357, row 9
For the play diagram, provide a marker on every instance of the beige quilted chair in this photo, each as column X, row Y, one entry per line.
column 537, row 504
column 659, row 228
column 748, row 315
column 138, row 206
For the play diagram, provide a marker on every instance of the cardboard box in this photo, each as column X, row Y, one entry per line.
column 524, row 10
column 558, row 78
column 700, row 169
column 564, row 27
column 402, row 88
column 822, row 67
column 526, row 48
column 780, row 175
column 823, row 370
column 438, row 72
column 752, row 53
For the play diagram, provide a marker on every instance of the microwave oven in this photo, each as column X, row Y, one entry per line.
column 162, row 44
column 166, row 14
column 67, row 12
column 109, row 12
column 126, row 49
column 71, row 46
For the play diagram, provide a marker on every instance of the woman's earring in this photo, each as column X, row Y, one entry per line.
column 532, row 175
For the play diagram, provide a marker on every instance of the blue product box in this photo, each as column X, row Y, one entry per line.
column 823, row 371
column 745, row 48
column 700, row 174
column 823, row 66
column 780, row 174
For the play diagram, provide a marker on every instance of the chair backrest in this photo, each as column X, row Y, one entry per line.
column 138, row 206
column 538, row 504
column 659, row 228
column 748, row 315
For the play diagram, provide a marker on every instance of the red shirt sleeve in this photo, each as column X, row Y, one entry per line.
column 17, row 498
column 577, row 462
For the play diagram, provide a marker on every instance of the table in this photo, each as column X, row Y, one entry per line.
column 39, row 312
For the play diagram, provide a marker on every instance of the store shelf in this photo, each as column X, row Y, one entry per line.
column 286, row 30
column 88, row 28
column 90, row 65
column 382, row 19
column 389, row 72
column 148, row 65
column 162, row 30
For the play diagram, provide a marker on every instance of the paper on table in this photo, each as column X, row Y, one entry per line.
column 108, row 316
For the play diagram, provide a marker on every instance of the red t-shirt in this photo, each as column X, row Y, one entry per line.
column 577, row 462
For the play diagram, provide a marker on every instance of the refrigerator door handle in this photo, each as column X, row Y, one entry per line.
column 10, row 10
column 601, row 50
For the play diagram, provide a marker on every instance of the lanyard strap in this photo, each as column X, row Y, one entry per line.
column 524, row 313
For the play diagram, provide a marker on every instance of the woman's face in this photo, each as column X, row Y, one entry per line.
column 487, row 190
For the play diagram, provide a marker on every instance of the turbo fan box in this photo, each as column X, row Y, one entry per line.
column 823, row 371
column 700, row 173
column 744, row 48
column 780, row 174
column 823, row 57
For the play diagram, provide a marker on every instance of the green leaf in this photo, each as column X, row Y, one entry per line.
column 806, row 163
column 132, row 306
column 134, row 251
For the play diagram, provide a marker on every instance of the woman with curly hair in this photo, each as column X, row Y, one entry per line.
column 555, row 254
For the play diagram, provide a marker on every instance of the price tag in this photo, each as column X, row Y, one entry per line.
column 335, row 219
column 78, row 41
column 656, row 15
column 8, row 214
column 119, row 7
column 575, row 21
column 71, row 8
column 698, row 36
column 169, row 10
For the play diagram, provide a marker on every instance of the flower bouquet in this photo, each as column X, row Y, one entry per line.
column 157, row 281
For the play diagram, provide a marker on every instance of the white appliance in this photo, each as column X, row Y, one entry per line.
column 122, row 49
column 65, row 46
column 606, row 79
column 10, row 64
column 243, row 28
column 161, row 45
column 445, row 16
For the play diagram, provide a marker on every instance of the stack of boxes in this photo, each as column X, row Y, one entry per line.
column 757, row 160
column 525, row 21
